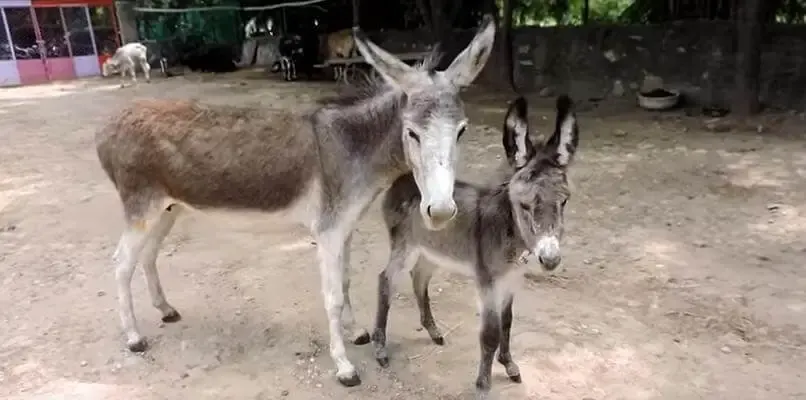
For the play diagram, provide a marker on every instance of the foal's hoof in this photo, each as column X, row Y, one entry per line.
column 138, row 346
column 172, row 316
column 362, row 339
column 439, row 340
column 383, row 361
column 350, row 381
column 515, row 378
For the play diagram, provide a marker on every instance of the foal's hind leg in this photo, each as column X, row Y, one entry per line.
column 400, row 258
column 149, row 261
column 140, row 227
column 504, row 356
column 357, row 336
column 420, row 278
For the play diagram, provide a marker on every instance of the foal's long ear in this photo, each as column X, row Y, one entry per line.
column 563, row 143
column 517, row 145
column 466, row 66
column 392, row 70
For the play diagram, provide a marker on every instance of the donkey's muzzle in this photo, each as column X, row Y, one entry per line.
column 440, row 214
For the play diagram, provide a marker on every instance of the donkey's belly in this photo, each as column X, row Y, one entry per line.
column 303, row 209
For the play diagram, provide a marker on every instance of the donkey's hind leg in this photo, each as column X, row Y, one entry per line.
column 149, row 261
column 420, row 278
column 140, row 227
column 504, row 356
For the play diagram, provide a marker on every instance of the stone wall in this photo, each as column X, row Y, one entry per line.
column 694, row 57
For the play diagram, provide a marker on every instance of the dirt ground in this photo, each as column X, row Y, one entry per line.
column 683, row 271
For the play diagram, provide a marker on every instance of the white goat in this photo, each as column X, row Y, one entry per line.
column 125, row 59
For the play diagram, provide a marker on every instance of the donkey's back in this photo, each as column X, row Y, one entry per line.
column 206, row 156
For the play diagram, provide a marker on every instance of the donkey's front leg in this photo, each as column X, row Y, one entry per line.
column 331, row 249
column 504, row 356
column 489, row 338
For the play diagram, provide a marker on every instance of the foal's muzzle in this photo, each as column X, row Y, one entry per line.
column 548, row 252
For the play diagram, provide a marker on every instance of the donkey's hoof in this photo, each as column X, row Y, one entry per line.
column 362, row 339
column 138, row 346
column 515, row 378
column 171, row 316
column 350, row 381
column 439, row 340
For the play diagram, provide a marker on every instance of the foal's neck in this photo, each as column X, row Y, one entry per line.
column 497, row 217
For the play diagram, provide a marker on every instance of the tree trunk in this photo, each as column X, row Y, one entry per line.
column 586, row 12
column 356, row 12
column 749, row 32
column 507, row 39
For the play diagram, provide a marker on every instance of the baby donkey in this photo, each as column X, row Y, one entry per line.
column 493, row 227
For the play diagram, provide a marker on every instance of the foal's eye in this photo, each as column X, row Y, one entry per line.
column 524, row 207
column 461, row 132
column 563, row 203
column 414, row 136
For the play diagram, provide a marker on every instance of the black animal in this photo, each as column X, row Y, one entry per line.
column 298, row 52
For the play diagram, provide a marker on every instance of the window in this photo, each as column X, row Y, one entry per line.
column 23, row 34
column 78, row 30
column 50, row 24
column 104, row 30
column 6, row 52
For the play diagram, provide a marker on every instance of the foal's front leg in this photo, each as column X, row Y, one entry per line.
column 331, row 249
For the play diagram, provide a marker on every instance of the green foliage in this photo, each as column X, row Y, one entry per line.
column 219, row 26
column 563, row 12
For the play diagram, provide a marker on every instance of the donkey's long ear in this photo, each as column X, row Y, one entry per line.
column 517, row 145
column 466, row 66
column 563, row 143
column 392, row 70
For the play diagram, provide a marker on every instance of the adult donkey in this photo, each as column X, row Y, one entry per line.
column 323, row 167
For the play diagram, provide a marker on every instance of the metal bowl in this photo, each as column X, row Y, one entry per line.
column 659, row 103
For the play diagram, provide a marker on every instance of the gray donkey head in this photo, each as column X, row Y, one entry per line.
column 433, row 116
column 538, row 189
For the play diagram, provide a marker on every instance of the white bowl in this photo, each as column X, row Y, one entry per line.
column 659, row 103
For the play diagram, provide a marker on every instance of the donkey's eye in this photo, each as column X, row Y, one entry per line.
column 524, row 207
column 461, row 132
column 414, row 136
column 563, row 203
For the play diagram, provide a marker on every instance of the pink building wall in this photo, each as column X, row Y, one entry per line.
column 43, row 69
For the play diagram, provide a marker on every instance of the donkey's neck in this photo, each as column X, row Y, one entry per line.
column 369, row 127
